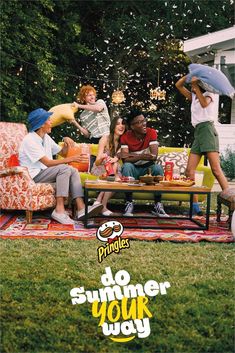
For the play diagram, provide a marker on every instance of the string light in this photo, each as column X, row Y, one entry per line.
column 118, row 96
column 83, row 78
column 157, row 93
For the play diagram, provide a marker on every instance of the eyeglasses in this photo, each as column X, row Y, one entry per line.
column 140, row 122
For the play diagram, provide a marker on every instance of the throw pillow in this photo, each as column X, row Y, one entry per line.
column 211, row 79
column 62, row 113
column 81, row 148
column 180, row 160
column 13, row 161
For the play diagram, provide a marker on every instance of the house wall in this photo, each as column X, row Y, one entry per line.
column 217, row 49
column 226, row 134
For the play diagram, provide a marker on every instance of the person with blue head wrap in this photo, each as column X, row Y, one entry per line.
column 36, row 153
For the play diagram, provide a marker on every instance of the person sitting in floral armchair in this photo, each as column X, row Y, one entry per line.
column 36, row 153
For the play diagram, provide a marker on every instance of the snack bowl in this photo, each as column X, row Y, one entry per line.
column 158, row 178
column 147, row 179
column 110, row 178
column 103, row 177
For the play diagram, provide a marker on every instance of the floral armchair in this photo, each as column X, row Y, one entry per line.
column 18, row 191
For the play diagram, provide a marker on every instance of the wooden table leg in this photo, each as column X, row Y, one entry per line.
column 29, row 216
column 218, row 211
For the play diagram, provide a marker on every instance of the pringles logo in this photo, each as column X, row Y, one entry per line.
column 110, row 233
column 122, row 308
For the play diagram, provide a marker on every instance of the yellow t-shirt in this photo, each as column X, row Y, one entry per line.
column 62, row 113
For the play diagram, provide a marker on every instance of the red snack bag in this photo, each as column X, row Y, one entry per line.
column 169, row 166
column 108, row 167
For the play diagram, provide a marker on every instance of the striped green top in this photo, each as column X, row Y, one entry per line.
column 97, row 124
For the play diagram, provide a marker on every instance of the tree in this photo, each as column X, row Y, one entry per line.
column 136, row 41
column 55, row 46
column 36, row 65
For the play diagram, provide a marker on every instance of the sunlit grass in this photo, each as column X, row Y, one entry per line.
column 37, row 316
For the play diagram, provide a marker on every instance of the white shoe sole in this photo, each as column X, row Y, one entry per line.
column 106, row 213
column 160, row 214
column 57, row 219
column 93, row 210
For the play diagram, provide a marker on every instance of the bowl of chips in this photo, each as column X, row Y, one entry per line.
column 147, row 179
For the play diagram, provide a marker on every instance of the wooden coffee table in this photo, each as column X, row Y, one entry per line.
column 98, row 186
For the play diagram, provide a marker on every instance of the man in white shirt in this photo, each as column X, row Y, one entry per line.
column 36, row 153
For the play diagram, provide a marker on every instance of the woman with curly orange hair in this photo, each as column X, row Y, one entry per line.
column 95, row 119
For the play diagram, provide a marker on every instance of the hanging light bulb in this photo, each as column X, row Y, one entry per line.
column 118, row 96
column 157, row 93
column 162, row 95
column 152, row 107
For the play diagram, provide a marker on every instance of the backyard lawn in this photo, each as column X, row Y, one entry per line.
column 196, row 315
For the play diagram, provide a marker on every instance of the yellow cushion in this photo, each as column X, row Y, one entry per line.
column 94, row 149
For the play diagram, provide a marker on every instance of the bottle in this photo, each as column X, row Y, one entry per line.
column 176, row 172
column 168, row 174
column 78, row 149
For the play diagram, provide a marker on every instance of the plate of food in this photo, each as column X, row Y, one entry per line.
column 136, row 184
column 128, row 179
column 178, row 181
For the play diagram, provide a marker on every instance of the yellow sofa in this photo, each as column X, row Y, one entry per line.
column 208, row 178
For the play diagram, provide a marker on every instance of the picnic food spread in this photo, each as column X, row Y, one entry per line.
column 181, row 180
column 149, row 179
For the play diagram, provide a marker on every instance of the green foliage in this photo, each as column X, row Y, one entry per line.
column 227, row 161
column 36, row 64
column 51, row 47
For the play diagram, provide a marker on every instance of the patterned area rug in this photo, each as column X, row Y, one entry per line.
column 13, row 226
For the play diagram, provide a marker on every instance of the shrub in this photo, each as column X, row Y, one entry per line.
column 227, row 161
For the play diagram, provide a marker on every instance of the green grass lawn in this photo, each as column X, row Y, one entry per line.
column 196, row 315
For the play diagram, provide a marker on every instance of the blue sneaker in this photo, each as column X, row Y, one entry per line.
column 196, row 209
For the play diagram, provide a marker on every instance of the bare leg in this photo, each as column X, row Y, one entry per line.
column 193, row 161
column 214, row 160
column 115, row 169
column 103, row 198
column 100, row 197
column 106, row 197
column 80, row 204
column 60, row 205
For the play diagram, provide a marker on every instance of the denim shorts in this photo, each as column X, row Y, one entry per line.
column 205, row 138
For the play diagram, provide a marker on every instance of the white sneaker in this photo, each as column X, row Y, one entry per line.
column 129, row 208
column 93, row 210
column 107, row 213
column 62, row 218
column 159, row 211
column 96, row 203
column 104, row 213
